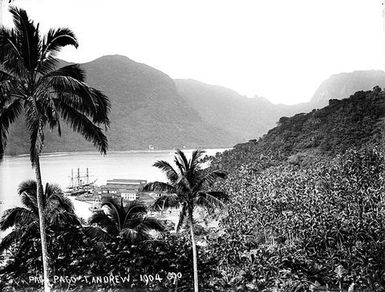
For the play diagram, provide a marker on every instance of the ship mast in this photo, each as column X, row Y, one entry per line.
column 72, row 177
column 78, row 177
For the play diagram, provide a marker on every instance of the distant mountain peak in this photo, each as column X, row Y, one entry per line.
column 343, row 85
column 115, row 57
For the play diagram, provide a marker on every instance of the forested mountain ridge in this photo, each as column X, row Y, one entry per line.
column 354, row 122
column 145, row 110
column 150, row 108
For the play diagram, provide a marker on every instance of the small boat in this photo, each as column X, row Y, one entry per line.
column 96, row 206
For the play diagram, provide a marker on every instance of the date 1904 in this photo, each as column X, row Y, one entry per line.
column 171, row 276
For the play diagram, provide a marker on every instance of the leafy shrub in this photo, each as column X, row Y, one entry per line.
column 296, row 224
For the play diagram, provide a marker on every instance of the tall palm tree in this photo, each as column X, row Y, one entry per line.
column 58, row 210
column 31, row 84
column 129, row 221
column 187, row 188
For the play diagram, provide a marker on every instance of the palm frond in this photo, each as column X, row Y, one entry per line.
column 57, row 39
column 17, row 216
column 150, row 223
column 224, row 197
column 56, row 198
column 195, row 158
column 166, row 201
column 29, row 38
column 27, row 186
column 170, row 172
column 29, row 200
column 102, row 220
column 209, row 179
column 133, row 209
column 10, row 54
column 130, row 235
column 6, row 76
column 211, row 202
column 96, row 233
column 73, row 74
column 68, row 83
column 181, row 160
column 81, row 124
column 11, row 238
column 8, row 114
column 27, row 191
column 140, row 227
column 159, row 187
column 180, row 166
column 59, row 217
column 47, row 64
column 115, row 210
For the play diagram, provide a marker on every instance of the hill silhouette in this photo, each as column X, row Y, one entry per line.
column 355, row 122
column 342, row 85
column 243, row 117
column 150, row 108
column 146, row 109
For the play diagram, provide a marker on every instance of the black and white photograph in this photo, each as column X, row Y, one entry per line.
column 192, row 145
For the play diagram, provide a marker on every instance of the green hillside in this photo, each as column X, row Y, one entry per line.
column 354, row 122
column 146, row 109
column 306, row 209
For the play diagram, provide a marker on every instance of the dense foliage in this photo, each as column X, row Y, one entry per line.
column 288, row 227
column 74, row 255
column 294, row 225
column 344, row 124
column 296, row 220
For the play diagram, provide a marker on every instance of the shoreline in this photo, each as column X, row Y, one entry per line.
column 58, row 154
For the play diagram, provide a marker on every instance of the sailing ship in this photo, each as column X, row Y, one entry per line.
column 80, row 184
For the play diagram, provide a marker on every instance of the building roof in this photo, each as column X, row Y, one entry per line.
column 126, row 181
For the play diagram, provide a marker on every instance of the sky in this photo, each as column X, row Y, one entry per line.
column 279, row 49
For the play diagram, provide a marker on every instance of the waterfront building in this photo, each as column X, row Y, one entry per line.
column 127, row 189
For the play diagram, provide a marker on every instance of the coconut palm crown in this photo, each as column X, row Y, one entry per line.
column 58, row 212
column 31, row 83
column 187, row 188
column 128, row 221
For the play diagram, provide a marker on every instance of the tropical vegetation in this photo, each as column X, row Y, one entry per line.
column 303, row 207
column 23, row 221
column 188, row 187
column 129, row 221
column 32, row 85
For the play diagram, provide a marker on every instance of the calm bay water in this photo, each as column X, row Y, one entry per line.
column 56, row 168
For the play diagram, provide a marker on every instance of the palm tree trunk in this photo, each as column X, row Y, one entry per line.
column 195, row 256
column 43, row 236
